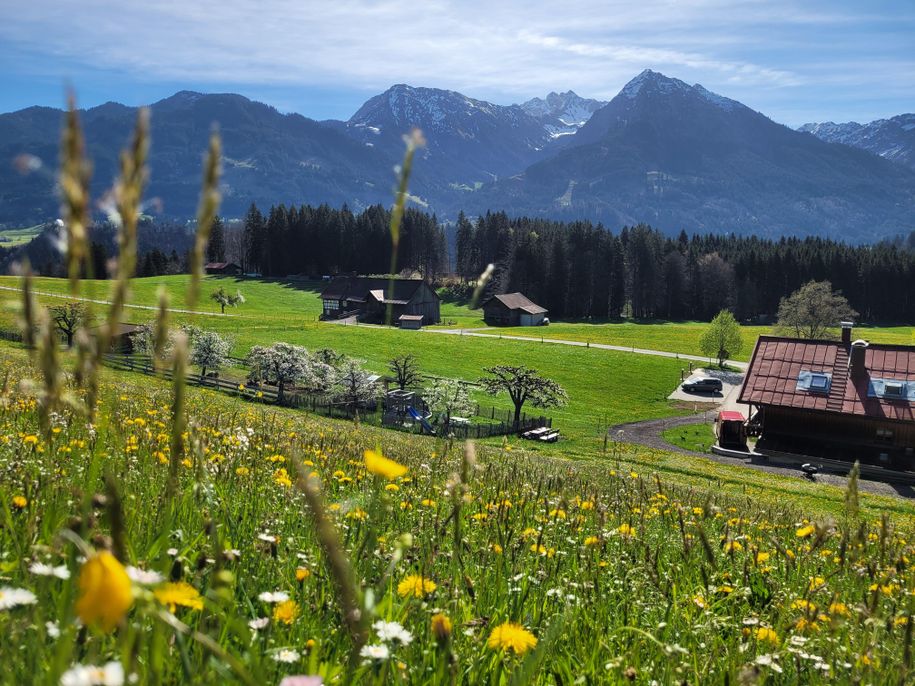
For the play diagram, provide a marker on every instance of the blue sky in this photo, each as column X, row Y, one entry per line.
column 794, row 61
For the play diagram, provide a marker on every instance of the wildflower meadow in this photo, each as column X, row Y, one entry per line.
column 152, row 533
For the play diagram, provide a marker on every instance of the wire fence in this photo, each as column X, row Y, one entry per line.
column 495, row 421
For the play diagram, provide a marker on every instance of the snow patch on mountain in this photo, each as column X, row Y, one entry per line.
column 893, row 138
column 655, row 82
column 562, row 114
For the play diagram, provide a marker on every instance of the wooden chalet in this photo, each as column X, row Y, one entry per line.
column 834, row 399
column 370, row 298
column 224, row 268
column 513, row 309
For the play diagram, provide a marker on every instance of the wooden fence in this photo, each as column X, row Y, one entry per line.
column 501, row 421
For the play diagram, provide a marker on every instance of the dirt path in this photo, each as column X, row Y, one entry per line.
column 648, row 434
column 108, row 302
column 580, row 344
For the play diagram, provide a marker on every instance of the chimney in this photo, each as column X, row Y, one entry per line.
column 846, row 333
column 856, row 359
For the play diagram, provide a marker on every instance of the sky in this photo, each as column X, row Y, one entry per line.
column 796, row 62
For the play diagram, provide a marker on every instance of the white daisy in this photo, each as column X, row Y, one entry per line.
column 53, row 629
column 287, row 655
column 259, row 623
column 392, row 632
column 41, row 569
column 13, row 597
column 109, row 674
column 375, row 652
column 144, row 577
column 273, row 597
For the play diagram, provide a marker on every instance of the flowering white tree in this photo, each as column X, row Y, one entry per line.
column 209, row 350
column 322, row 375
column 280, row 364
column 448, row 398
column 353, row 385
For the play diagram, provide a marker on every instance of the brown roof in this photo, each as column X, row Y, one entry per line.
column 772, row 378
column 518, row 301
column 359, row 288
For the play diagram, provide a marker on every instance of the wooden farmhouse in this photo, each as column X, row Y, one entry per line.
column 224, row 268
column 370, row 298
column 513, row 309
column 834, row 399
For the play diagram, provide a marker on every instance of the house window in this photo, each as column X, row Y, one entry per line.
column 331, row 305
column 814, row 382
column 885, row 435
column 891, row 389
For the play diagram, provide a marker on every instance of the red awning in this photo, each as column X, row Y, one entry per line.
column 730, row 416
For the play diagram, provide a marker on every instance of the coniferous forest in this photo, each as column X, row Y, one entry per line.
column 578, row 270
column 582, row 270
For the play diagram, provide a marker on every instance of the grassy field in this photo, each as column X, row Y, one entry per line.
column 676, row 337
column 696, row 437
column 10, row 238
column 605, row 388
column 497, row 567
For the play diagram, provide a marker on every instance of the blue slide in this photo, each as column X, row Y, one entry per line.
column 427, row 427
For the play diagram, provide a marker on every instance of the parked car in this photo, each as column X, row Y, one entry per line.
column 703, row 385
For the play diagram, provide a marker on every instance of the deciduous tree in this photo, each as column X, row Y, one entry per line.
column 225, row 299
column 722, row 339
column 68, row 318
column 405, row 369
column 280, row 364
column 812, row 310
column 523, row 385
column 209, row 351
column 448, row 398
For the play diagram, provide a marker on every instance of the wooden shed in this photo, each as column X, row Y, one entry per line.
column 411, row 321
column 224, row 268
column 513, row 309
column 837, row 399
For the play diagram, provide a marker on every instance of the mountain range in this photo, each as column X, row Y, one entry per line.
column 892, row 138
column 662, row 152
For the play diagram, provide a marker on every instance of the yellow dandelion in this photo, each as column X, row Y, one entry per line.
column 805, row 605
column 281, row 478
column 625, row 530
column 762, row 557
column 379, row 465
column 510, row 636
column 180, row 593
column 105, row 592
column 839, row 609
column 286, row 612
column 416, row 586
column 733, row 547
column 302, row 573
column 805, row 531
column 592, row 541
column 20, row 502
column 441, row 627
column 766, row 635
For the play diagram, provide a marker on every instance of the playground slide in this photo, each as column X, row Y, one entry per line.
column 427, row 427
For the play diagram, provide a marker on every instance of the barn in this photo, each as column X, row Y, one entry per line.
column 513, row 309
column 370, row 299
column 834, row 399
column 223, row 268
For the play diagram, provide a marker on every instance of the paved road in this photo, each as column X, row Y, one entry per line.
column 648, row 433
column 580, row 344
column 108, row 302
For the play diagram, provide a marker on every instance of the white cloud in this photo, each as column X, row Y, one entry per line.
column 504, row 51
